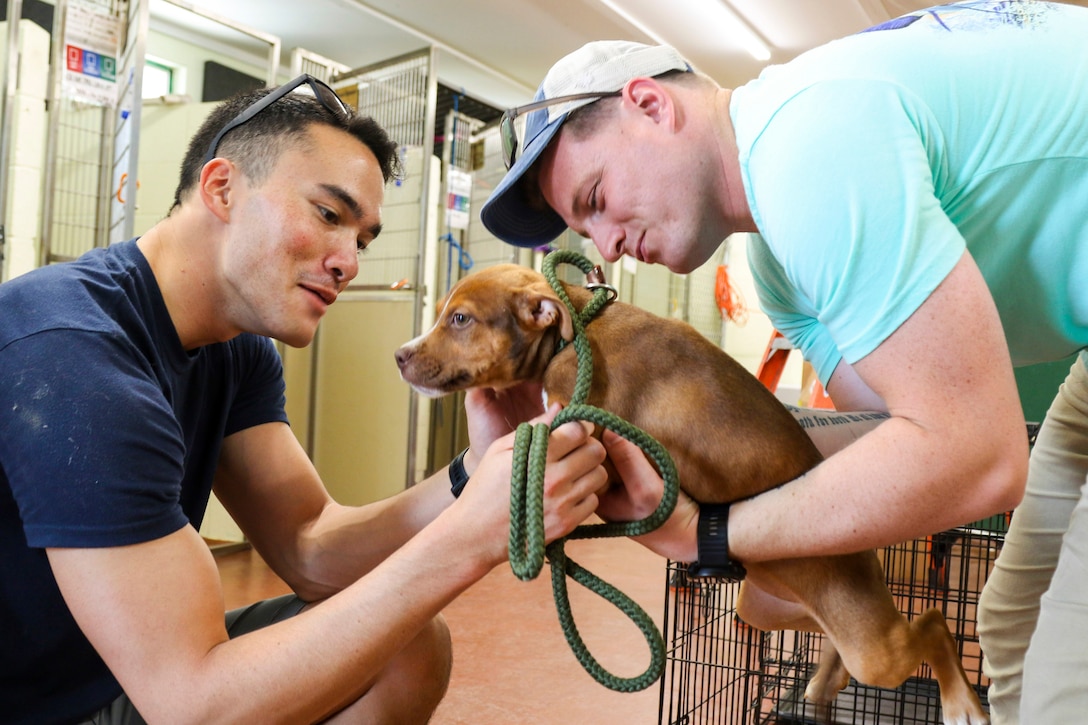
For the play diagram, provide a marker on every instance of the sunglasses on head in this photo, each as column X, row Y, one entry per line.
column 508, row 129
column 325, row 95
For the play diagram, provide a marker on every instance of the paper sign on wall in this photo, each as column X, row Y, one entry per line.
column 458, row 191
column 91, row 42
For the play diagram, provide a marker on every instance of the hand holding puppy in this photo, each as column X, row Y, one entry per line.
column 637, row 494
column 573, row 475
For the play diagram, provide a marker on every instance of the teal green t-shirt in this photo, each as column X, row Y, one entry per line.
column 871, row 163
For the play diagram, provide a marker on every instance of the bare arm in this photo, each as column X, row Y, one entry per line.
column 269, row 486
column 953, row 450
column 318, row 546
column 154, row 611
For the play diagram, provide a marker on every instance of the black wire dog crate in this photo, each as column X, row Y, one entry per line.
column 720, row 671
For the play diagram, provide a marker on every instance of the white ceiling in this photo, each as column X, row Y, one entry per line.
column 498, row 50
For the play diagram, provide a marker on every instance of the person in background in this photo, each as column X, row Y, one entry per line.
column 140, row 377
column 915, row 196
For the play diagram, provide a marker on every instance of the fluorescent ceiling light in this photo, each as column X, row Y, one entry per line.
column 633, row 21
column 715, row 18
column 746, row 35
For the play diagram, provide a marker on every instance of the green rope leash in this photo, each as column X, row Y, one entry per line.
column 527, row 549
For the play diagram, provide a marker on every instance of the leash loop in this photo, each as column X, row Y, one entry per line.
column 527, row 550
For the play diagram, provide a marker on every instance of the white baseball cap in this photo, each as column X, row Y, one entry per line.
column 594, row 71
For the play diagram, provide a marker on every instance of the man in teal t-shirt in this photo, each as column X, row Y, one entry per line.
column 917, row 198
column 901, row 179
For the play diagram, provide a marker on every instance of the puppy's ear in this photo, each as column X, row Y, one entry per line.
column 541, row 310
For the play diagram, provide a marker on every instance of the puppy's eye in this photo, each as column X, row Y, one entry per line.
column 460, row 319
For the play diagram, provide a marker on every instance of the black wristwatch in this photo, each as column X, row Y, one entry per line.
column 458, row 475
column 714, row 561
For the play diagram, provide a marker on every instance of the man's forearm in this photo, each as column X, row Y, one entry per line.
column 901, row 481
column 349, row 541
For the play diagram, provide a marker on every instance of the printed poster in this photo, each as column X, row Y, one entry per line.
column 91, row 43
column 458, row 192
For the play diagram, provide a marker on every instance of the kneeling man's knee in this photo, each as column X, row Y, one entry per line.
column 436, row 655
column 407, row 691
column 421, row 672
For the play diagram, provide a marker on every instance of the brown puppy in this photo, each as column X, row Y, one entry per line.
column 729, row 437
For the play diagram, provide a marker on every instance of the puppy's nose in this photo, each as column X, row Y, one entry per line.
column 403, row 355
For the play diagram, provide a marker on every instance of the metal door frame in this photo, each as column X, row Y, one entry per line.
column 8, row 85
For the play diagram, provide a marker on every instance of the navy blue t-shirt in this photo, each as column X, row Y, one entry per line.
column 109, row 435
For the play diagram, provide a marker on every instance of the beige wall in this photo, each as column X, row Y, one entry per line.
column 192, row 57
column 27, row 149
column 164, row 135
column 360, row 421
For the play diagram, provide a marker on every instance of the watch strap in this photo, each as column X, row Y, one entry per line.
column 458, row 474
column 713, row 539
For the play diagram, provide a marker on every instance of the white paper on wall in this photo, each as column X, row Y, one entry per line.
column 91, row 42
column 458, row 191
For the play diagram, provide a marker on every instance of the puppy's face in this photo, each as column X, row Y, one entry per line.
column 495, row 328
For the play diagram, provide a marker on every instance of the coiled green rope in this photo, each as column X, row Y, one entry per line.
column 527, row 549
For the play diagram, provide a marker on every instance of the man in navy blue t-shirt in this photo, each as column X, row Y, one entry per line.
column 134, row 378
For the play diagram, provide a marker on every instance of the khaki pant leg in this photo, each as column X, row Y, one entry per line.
column 1036, row 546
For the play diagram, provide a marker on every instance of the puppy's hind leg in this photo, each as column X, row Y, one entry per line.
column 959, row 703
column 830, row 678
column 766, row 611
column 891, row 648
column 877, row 643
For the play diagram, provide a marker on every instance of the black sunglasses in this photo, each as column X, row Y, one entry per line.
column 508, row 131
column 322, row 92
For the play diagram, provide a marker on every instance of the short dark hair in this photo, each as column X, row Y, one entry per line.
column 257, row 144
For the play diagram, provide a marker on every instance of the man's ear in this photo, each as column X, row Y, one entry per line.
column 541, row 310
column 215, row 186
column 650, row 98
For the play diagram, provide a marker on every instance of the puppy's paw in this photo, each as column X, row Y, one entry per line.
column 972, row 715
column 823, row 688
